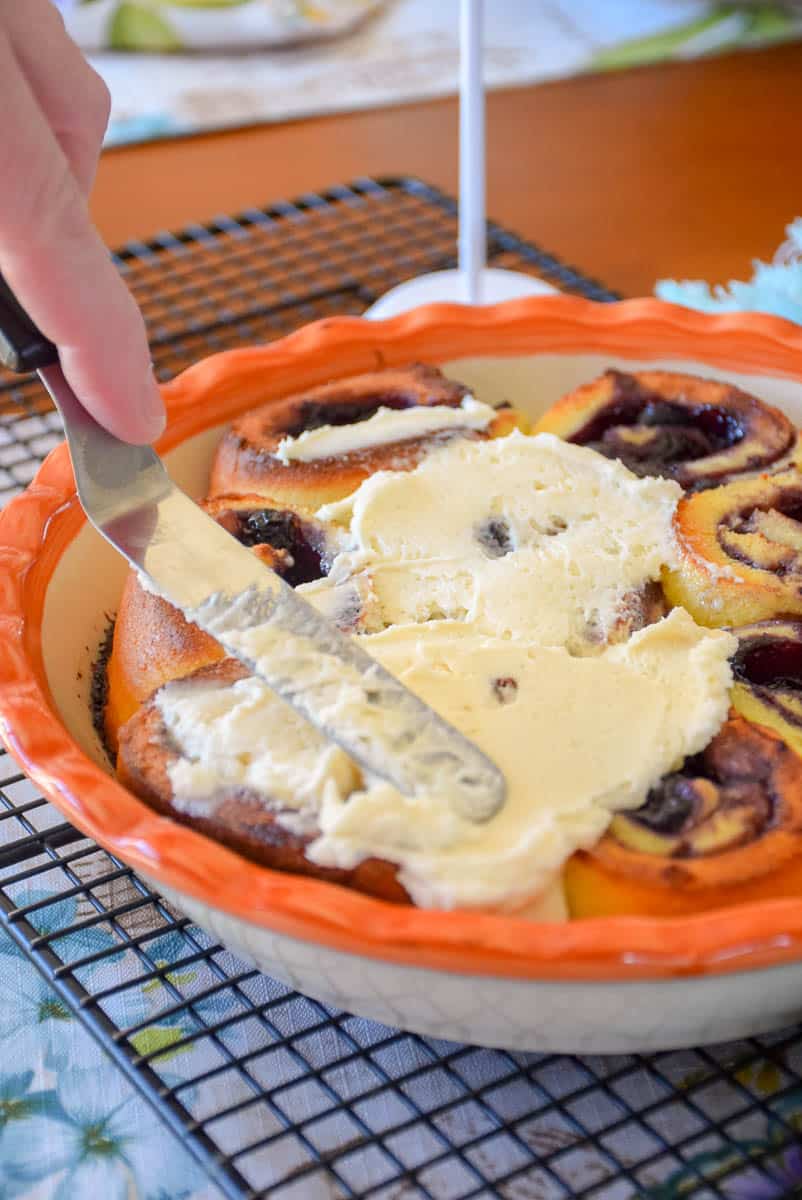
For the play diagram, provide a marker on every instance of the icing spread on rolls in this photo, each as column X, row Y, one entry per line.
column 506, row 583
column 576, row 738
column 385, row 426
column 520, row 535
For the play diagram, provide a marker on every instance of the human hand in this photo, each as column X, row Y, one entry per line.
column 55, row 110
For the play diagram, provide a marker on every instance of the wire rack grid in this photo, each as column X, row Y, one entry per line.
column 278, row 1094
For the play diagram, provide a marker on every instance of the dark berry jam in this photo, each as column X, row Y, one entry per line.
column 669, row 805
column 505, row 689
column 775, row 664
column 285, row 531
column 650, row 434
column 733, row 776
column 268, row 527
column 789, row 503
column 313, row 414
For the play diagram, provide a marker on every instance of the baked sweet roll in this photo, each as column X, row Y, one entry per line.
column 726, row 828
column 318, row 446
column 697, row 431
column 740, row 551
column 271, row 827
column 153, row 642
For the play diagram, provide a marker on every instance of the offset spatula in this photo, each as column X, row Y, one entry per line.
column 186, row 557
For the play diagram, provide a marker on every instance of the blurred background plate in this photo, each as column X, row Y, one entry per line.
column 167, row 25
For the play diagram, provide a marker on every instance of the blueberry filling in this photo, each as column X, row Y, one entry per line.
column 775, row 547
column 662, row 412
column 789, row 504
column 718, row 799
column 664, row 446
column 651, row 434
column 268, row 527
column 283, row 530
column 495, row 537
column 775, row 664
column 313, row 414
column 669, row 804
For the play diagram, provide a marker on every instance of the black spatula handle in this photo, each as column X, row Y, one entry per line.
column 23, row 347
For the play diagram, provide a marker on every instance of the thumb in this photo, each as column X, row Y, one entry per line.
column 56, row 263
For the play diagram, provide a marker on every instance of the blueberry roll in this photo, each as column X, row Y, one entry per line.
column 696, row 431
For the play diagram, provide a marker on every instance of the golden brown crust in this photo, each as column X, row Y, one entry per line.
column 740, row 551
column 244, row 822
column 697, row 431
column 153, row 644
column 246, row 462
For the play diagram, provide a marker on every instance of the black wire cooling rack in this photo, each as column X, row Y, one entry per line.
column 279, row 1095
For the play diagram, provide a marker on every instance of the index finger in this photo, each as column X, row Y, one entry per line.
column 57, row 265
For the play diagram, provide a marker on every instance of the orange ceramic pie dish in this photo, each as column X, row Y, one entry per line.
column 316, row 933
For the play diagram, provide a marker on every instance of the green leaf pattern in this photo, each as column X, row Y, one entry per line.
column 725, row 27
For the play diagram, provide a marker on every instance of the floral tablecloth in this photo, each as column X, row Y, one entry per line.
column 406, row 51
column 71, row 1127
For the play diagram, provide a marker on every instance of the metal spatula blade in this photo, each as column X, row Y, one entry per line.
column 190, row 560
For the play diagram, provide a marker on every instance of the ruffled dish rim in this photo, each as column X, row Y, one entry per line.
column 37, row 526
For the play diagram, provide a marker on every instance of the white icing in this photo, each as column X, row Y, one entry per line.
column 580, row 739
column 584, row 729
column 242, row 737
column 384, row 427
column 584, row 534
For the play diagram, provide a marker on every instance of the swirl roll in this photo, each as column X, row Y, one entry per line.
column 251, row 456
column 724, row 829
column 740, row 551
column 696, row 431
